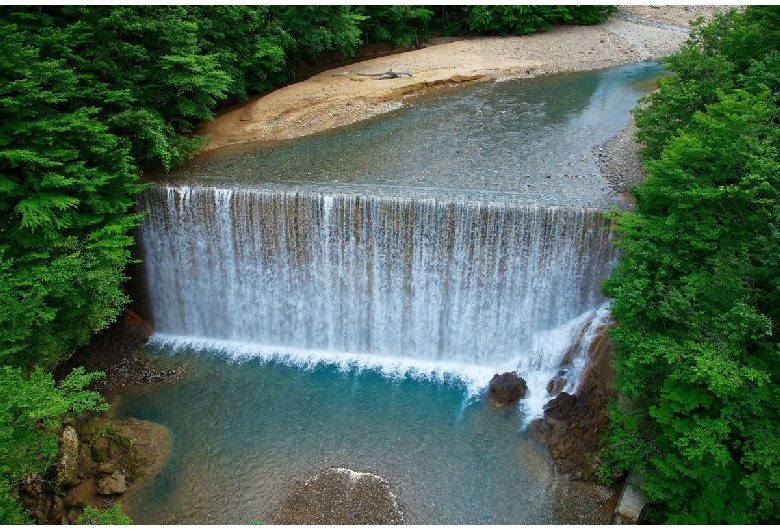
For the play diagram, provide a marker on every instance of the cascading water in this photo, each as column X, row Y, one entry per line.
column 395, row 247
column 412, row 285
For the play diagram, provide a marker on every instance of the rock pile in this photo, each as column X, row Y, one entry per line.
column 341, row 496
column 99, row 461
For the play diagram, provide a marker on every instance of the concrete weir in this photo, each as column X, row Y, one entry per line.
column 632, row 502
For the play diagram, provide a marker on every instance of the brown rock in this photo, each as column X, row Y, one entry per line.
column 556, row 384
column 506, row 389
column 101, row 450
column 58, row 510
column 82, row 495
column 113, row 484
column 86, row 464
column 106, row 467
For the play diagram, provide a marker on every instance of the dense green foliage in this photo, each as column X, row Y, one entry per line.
column 67, row 183
column 521, row 20
column 697, row 291
column 88, row 96
column 110, row 516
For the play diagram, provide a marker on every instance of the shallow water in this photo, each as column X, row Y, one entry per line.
column 530, row 137
column 244, row 432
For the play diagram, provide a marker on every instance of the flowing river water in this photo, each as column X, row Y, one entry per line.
column 342, row 300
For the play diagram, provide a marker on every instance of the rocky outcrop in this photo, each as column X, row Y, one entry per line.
column 68, row 469
column 504, row 390
column 341, row 496
column 573, row 424
column 101, row 459
column 113, row 484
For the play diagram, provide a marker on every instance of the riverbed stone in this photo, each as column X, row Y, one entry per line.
column 341, row 496
column 504, row 390
column 113, row 484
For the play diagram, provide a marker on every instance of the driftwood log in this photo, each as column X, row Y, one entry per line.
column 390, row 74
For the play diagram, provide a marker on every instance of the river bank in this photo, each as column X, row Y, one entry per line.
column 341, row 96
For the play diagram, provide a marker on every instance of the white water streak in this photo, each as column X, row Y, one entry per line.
column 412, row 286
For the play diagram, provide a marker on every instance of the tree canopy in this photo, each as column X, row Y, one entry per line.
column 697, row 292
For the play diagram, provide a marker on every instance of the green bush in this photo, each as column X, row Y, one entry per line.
column 110, row 516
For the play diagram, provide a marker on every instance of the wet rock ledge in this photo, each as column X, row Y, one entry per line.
column 573, row 423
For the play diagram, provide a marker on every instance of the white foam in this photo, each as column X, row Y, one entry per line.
column 475, row 378
column 550, row 347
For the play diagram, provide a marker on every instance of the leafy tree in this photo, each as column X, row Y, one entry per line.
column 696, row 292
column 396, row 25
column 314, row 29
column 719, row 56
column 154, row 55
column 521, row 20
column 248, row 44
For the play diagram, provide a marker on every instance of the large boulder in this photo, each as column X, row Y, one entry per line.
column 506, row 389
column 113, row 484
column 68, row 469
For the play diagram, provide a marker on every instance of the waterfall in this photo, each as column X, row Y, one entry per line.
column 428, row 284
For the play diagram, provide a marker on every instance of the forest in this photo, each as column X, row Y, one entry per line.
column 90, row 97
column 696, row 295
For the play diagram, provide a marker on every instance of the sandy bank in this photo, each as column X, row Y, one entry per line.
column 338, row 97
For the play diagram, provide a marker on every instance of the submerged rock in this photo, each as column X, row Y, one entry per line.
column 341, row 496
column 506, row 389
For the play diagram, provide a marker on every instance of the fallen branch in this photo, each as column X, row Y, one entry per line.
column 390, row 74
